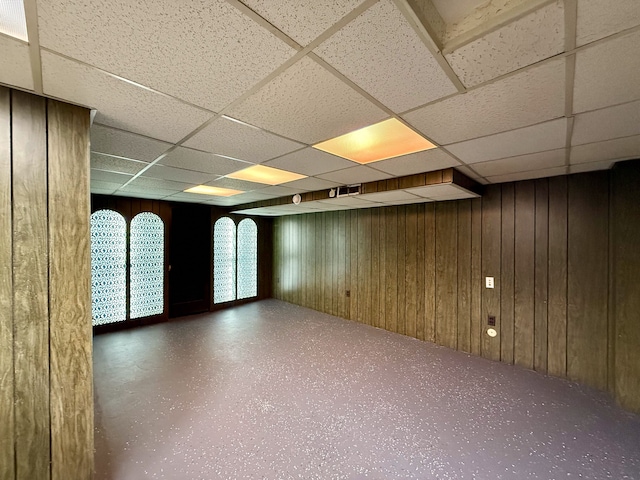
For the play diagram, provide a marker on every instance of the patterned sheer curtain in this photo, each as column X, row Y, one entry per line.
column 147, row 265
column 247, row 259
column 224, row 260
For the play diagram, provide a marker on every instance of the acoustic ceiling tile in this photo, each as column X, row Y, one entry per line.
column 355, row 201
column 308, row 104
column 310, row 161
column 607, row 73
column 514, row 177
column 108, row 163
column 469, row 172
column 203, row 51
column 241, row 141
column 311, row 183
column 198, row 161
column 389, row 196
column 607, row 124
column 111, row 177
column 101, row 191
column 302, row 20
column 618, row 149
column 143, row 182
column 591, row 167
column 522, row 163
column 234, row 184
column 149, row 192
column 426, row 161
column 125, row 144
column 600, row 18
column 447, row 191
column 179, row 174
column 543, row 136
column 120, row 104
column 526, row 98
column 187, row 197
column 280, row 190
column 16, row 63
column 381, row 53
column 353, row 175
column 104, row 187
column 523, row 42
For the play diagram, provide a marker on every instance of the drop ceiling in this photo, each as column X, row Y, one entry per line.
column 187, row 93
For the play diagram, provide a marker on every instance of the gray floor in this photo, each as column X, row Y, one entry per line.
column 271, row 390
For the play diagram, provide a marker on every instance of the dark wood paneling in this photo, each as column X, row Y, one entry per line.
column 464, row 275
column 476, row 275
column 557, row 312
column 7, row 420
column 377, row 319
column 402, row 238
column 626, row 279
column 30, row 283
column 391, row 260
column 383, row 266
column 541, row 275
column 341, row 265
column 353, row 245
column 446, row 274
column 430, row 272
column 70, row 292
column 524, row 274
column 420, row 273
column 507, row 273
column 588, row 211
column 411, row 238
column 364, row 267
column 491, row 237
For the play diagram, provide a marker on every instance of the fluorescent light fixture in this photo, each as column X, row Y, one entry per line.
column 12, row 19
column 216, row 191
column 266, row 175
column 387, row 139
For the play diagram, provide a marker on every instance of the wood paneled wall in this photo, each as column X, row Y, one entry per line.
column 46, row 397
column 419, row 270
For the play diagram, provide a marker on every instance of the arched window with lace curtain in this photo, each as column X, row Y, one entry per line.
column 146, row 254
column 224, row 260
column 247, row 259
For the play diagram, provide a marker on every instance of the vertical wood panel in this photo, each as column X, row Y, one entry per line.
column 587, row 274
column 7, row 423
column 430, row 272
column 411, row 237
column 342, row 299
column 328, row 262
column 377, row 319
column 383, row 268
column 507, row 273
column 476, row 275
column 355, row 288
column 557, row 315
column 70, row 292
column 30, row 281
column 524, row 274
column 541, row 275
column 446, row 274
column 464, row 275
column 420, row 273
column 402, row 228
column 491, row 236
column 364, row 266
column 391, row 260
column 319, row 300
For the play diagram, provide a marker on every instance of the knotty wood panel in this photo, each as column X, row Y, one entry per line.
column 430, row 272
column 476, row 275
column 7, row 425
column 507, row 273
column 30, row 283
column 446, row 274
column 391, row 260
column 464, row 275
column 411, row 237
column 587, row 295
column 626, row 278
column 491, row 236
column 557, row 312
column 420, row 273
column 524, row 274
column 541, row 275
column 70, row 292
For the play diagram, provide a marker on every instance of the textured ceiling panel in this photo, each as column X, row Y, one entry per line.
column 111, row 177
column 513, row 177
column 188, row 197
column 16, row 63
column 149, row 192
column 120, row 104
column 389, row 196
column 355, row 201
column 179, row 174
column 108, row 163
column 601, row 18
column 159, row 183
column 541, row 137
column 528, row 40
column 311, row 183
column 523, row 163
column 607, row 74
column 280, row 190
column 526, row 98
column 203, row 51
column 310, row 161
column 233, row 139
column 381, row 53
column 125, row 144
column 427, row 161
column 234, row 184
column 107, row 188
column 618, row 149
column 359, row 174
column 190, row 159
column 606, row 124
column 442, row 192
column 302, row 20
column 591, row 167
column 308, row 104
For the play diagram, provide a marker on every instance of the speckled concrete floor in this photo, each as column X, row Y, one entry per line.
column 270, row 390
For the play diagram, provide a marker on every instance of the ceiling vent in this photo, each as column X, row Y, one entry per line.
column 349, row 190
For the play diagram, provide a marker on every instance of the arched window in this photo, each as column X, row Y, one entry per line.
column 146, row 253
column 108, row 267
column 247, row 259
column 224, row 260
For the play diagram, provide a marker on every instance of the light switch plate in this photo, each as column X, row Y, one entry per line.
column 489, row 282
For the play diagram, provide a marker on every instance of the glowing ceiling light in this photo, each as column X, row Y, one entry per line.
column 12, row 19
column 266, row 175
column 217, row 191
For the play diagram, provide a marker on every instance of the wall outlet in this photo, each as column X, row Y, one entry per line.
column 489, row 282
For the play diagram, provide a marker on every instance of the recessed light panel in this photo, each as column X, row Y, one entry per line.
column 388, row 139
column 216, row 191
column 266, row 175
column 12, row 19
